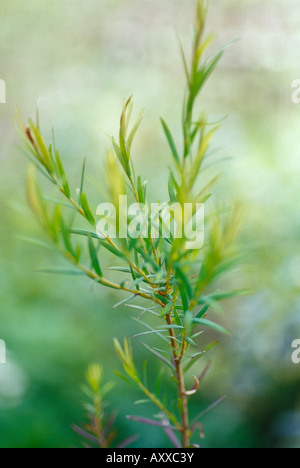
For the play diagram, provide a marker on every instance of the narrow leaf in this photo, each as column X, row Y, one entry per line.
column 170, row 141
column 86, row 208
column 213, row 325
column 159, row 356
column 149, row 422
column 82, row 176
column 61, row 271
column 216, row 403
column 128, row 441
column 94, row 257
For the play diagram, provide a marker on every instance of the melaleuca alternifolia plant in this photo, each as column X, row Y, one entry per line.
column 99, row 431
column 162, row 276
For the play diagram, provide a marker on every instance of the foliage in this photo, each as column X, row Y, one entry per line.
column 175, row 283
column 99, row 432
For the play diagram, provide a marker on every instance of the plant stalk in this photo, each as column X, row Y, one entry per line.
column 185, row 429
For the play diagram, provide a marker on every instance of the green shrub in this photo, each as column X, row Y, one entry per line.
column 173, row 283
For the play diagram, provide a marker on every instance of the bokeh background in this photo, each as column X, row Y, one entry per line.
column 77, row 62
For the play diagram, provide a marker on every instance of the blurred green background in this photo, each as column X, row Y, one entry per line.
column 76, row 62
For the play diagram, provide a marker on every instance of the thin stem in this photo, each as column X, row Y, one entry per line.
column 154, row 400
column 108, row 239
column 97, row 422
column 136, row 196
column 185, row 429
column 91, row 274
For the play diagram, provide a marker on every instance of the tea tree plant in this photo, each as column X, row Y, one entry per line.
column 99, row 432
column 169, row 281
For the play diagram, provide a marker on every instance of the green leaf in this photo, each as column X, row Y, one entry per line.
column 213, row 325
column 172, row 327
column 159, row 356
column 175, row 183
column 82, row 176
column 37, row 242
column 203, row 311
column 124, row 301
column 86, row 208
column 148, row 259
column 162, row 298
column 124, row 378
column 167, row 309
column 177, row 318
column 148, row 327
column 136, row 278
column 184, row 299
column 220, row 400
column 188, row 321
column 120, row 269
column 133, row 131
column 184, row 62
column 33, row 159
column 62, row 175
column 195, row 357
column 212, row 65
column 66, row 238
column 184, row 282
column 141, row 190
column 221, row 296
column 61, row 271
column 189, row 340
column 82, row 232
column 170, row 141
column 114, row 250
column 171, row 188
column 195, row 335
column 94, row 257
column 42, row 147
column 60, row 203
column 34, row 194
column 122, row 158
column 141, row 402
column 146, row 333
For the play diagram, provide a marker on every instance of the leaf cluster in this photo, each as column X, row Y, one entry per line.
column 174, row 284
